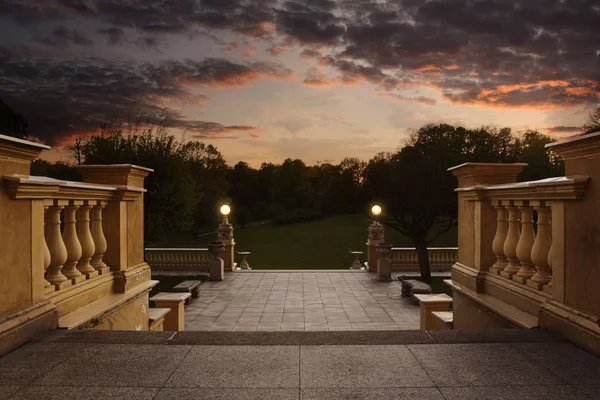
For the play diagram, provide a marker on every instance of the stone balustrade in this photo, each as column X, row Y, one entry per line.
column 440, row 258
column 197, row 259
column 73, row 225
column 528, row 252
column 72, row 252
column 525, row 231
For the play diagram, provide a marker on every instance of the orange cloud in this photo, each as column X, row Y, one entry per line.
column 429, row 68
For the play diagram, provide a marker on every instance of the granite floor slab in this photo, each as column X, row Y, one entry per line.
column 496, row 371
column 309, row 301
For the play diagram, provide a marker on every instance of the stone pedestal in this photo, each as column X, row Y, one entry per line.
column 244, row 264
column 384, row 264
column 375, row 237
column 356, row 264
column 217, row 270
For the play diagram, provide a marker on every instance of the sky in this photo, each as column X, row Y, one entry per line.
column 319, row 80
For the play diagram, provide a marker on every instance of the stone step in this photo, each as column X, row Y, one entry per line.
column 445, row 319
column 156, row 318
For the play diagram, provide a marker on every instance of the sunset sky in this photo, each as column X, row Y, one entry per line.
column 265, row 80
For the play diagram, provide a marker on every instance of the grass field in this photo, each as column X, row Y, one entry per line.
column 321, row 244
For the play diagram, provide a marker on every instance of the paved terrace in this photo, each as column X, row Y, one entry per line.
column 301, row 301
column 443, row 365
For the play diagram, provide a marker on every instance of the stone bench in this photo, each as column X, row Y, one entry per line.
column 157, row 318
column 192, row 287
column 429, row 304
column 410, row 287
column 174, row 320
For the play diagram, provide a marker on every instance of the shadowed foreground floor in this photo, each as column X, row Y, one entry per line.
column 300, row 365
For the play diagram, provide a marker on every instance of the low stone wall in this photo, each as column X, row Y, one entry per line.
column 169, row 259
column 440, row 258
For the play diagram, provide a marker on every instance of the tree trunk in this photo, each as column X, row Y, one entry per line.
column 423, row 257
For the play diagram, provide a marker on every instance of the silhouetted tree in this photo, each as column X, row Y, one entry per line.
column 593, row 122
column 12, row 123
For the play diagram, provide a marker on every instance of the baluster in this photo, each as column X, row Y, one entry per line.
column 46, row 250
column 525, row 244
column 85, row 239
column 548, row 287
column 500, row 238
column 541, row 248
column 72, row 243
column 99, row 238
column 510, row 244
column 56, row 247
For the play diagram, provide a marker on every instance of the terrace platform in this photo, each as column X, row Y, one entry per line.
column 301, row 301
column 499, row 364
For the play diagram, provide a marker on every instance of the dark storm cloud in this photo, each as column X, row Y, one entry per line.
column 310, row 22
column 501, row 53
column 114, row 36
column 60, row 98
column 61, row 36
column 563, row 129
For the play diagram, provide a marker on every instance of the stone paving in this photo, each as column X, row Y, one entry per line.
column 84, row 366
column 301, row 301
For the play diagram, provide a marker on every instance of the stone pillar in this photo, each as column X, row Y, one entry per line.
column 375, row 238
column 24, row 311
column 225, row 235
column 123, row 221
column 477, row 219
column 575, row 309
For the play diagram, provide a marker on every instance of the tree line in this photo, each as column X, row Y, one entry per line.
column 191, row 179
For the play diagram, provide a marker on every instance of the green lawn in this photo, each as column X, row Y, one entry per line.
column 321, row 244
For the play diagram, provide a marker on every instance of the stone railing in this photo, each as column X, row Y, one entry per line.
column 178, row 258
column 524, row 250
column 72, row 252
column 440, row 258
column 74, row 242
column 528, row 252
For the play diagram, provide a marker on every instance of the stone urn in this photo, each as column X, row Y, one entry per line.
column 384, row 249
column 216, row 248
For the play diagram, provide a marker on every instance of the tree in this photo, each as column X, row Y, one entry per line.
column 541, row 162
column 172, row 195
column 12, row 123
column 416, row 190
column 593, row 123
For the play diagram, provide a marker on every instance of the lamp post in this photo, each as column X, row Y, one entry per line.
column 375, row 237
column 225, row 235
column 225, row 210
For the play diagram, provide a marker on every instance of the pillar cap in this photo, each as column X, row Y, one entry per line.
column 114, row 174
column 472, row 173
column 578, row 146
column 20, row 149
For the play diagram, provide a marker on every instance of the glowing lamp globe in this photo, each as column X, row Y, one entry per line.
column 376, row 210
column 225, row 210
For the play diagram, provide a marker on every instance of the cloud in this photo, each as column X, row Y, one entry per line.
column 428, row 101
column 62, row 97
column 467, row 50
column 275, row 50
column 61, row 36
column 563, row 129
